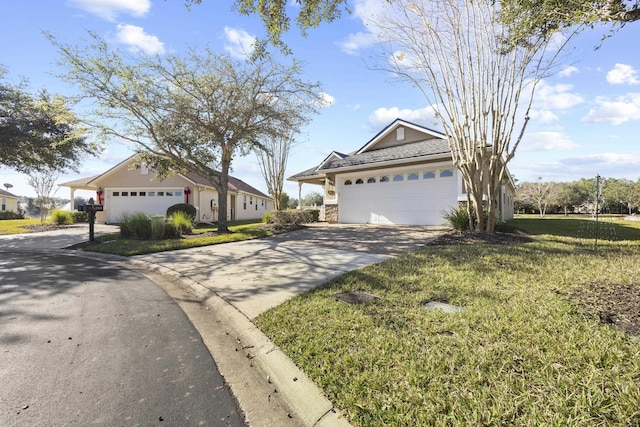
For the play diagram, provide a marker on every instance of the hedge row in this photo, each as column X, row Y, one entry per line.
column 292, row 217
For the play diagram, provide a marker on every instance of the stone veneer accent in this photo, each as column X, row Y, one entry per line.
column 331, row 213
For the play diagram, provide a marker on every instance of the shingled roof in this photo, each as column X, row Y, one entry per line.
column 7, row 194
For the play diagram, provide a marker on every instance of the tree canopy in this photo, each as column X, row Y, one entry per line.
column 39, row 132
column 192, row 112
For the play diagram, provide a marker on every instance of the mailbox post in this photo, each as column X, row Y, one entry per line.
column 91, row 208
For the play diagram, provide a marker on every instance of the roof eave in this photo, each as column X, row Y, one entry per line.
column 388, row 163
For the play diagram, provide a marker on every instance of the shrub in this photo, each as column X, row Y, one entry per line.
column 266, row 217
column 158, row 228
column 292, row 217
column 188, row 209
column 61, row 217
column 457, row 218
column 11, row 215
column 182, row 222
column 136, row 226
column 79, row 216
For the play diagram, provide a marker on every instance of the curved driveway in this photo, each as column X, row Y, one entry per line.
column 255, row 275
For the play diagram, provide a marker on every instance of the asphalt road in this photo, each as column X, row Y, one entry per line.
column 84, row 342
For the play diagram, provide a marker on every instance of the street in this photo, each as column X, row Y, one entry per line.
column 87, row 342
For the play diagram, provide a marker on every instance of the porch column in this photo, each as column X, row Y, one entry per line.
column 299, row 195
column 72, row 205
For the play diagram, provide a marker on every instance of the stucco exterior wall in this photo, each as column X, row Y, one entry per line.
column 8, row 204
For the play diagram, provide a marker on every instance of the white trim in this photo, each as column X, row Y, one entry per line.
column 394, row 125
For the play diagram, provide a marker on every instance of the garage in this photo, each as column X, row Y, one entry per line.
column 411, row 198
column 151, row 201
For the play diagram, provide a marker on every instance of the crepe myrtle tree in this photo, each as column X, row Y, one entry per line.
column 478, row 82
column 272, row 156
column 191, row 112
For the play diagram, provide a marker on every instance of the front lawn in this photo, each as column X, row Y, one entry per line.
column 528, row 350
column 204, row 236
column 18, row 226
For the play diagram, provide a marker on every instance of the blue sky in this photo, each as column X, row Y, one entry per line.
column 586, row 117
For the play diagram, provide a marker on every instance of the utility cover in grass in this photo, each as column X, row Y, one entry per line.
column 447, row 308
column 355, row 297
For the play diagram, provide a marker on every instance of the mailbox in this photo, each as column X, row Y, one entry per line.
column 94, row 208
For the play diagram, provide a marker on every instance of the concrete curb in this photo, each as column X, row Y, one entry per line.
column 302, row 402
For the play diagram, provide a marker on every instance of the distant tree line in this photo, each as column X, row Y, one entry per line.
column 614, row 196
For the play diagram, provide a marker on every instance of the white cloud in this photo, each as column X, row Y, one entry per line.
column 422, row 116
column 567, row 71
column 623, row 74
column 137, row 40
column 556, row 97
column 355, row 42
column 240, row 43
column 547, row 141
column 543, row 116
column 624, row 109
column 110, row 9
column 326, row 100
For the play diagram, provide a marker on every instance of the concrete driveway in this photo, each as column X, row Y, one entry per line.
column 256, row 275
column 54, row 239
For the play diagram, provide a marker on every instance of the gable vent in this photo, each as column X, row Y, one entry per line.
column 400, row 134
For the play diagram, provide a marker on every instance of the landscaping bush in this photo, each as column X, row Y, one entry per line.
column 79, row 216
column 292, row 217
column 61, row 217
column 182, row 222
column 458, row 218
column 266, row 217
column 11, row 215
column 158, row 227
column 136, row 226
column 188, row 209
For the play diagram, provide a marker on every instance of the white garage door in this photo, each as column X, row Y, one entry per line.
column 151, row 201
column 416, row 198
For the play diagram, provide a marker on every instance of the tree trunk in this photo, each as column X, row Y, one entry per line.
column 225, row 165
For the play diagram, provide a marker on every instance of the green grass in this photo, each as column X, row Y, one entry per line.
column 113, row 244
column 579, row 226
column 522, row 354
column 16, row 226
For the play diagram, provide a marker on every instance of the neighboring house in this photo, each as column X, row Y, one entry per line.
column 8, row 202
column 130, row 187
column 404, row 175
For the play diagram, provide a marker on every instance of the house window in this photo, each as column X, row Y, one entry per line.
column 412, row 177
column 429, row 175
column 151, row 193
column 397, row 178
column 134, row 193
column 256, row 206
column 4, row 204
column 384, row 179
column 348, row 182
column 142, row 193
column 169, row 194
column 359, row 181
column 116, row 194
column 244, row 203
column 160, row 193
column 251, row 200
column 371, row 180
column 177, row 193
column 446, row 173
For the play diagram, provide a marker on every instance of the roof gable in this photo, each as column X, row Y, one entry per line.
column 400, row 132
column 4, row 193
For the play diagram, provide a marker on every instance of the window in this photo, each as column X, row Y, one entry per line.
column 429, row 175
column 262, row 202
column 348, row 182
column 371, row 180
column 256, row 206
column 4, row 204
column 446, row 173
column 384, row 179
column 177, row 193
column 251, row 200
column 398, row 178
column 151, row 193
column 142, row 193
column 124, row 193
column 116, row 194
column 160, row 193
column 359, row 181
column 412, row 177
column 134, row 193
column 244, row 203
column 169, row 194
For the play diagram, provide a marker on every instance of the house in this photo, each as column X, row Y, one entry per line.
column 8, row 202
column 130, row 187
column 403, row 175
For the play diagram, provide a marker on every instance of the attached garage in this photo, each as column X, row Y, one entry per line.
column 151, row 201
column 403, row 175
column 413, row 198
